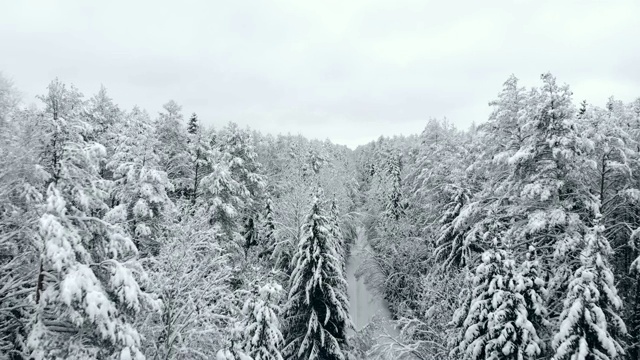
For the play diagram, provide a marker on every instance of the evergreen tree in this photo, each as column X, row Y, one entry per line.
column 394, row 208
column 317, row 315
column 193, row 127
column 221, row 197
column 530, row 283
column 268, row 236
column 139, row 184
column 250, row 233
column 262, row 336
column 590, row 327
column 172, row 148
column 199, row 150
column 497, row 326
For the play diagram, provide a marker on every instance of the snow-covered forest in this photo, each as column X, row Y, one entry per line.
column 145, row 234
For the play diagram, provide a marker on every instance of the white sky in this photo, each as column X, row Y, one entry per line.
column 347, row 70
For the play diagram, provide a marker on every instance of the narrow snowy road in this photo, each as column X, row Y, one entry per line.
column 365, row 303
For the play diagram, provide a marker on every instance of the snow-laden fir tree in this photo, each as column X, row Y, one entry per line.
column 317, row 310
column 590, row 327
column 262, row 338
column 88, row 291
column 497, row 324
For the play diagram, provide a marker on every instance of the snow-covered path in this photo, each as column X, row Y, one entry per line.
column 365, row 303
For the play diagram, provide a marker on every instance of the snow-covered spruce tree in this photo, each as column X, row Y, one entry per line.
column 250, row 233
column 239, row 156
column 531, row 285
column 454, row 246
column 590, row 327
column 193, row 126
column 497, row 326
column 268, row 228
column 394, row 207
column 221, row 197
column 262, row 337
column 199, row 149
column 317, row 310
column 88, row 290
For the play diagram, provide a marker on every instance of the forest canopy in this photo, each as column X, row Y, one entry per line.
column 126, row 234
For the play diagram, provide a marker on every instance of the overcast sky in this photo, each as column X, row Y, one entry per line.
column 347, row 70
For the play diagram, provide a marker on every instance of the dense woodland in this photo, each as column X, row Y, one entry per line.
column 131, row 235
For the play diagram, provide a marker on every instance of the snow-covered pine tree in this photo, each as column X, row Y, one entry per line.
column 262, row 337
column 103, row 114
column 505, row 124
column 193, row 127
column 317, row 310
column 221, row 197
column 199, row 148
column 590, row 327
column 88, row 290
column 235, row 161
column 394, row 207
column 172, row 148
column 139, row 184
column 239, row 155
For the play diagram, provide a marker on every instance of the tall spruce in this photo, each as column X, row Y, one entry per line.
column 317, row 310
column 590, row 327
column 262, row 337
